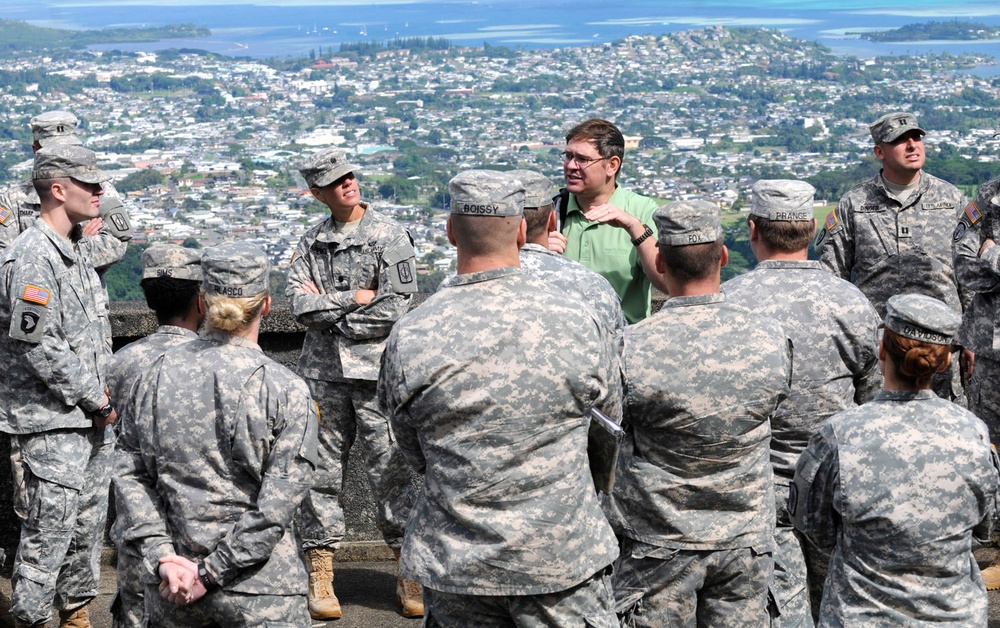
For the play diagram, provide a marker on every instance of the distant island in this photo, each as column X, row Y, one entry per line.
column 934, row 31
column 17, row 36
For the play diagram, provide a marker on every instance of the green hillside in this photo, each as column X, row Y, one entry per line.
column 16, row 36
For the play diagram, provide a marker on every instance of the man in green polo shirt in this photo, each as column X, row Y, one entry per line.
column 607, row 228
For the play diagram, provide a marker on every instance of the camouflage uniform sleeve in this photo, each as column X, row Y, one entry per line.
column 103, row 249
column 835, row 242
column 43, row 346
column 316, row 311
column 140, row 512
column 975, row 274
column 392, row 397
column 10, row 226
column 813, row 491
column 991, row 507
column 396, row 285
column 867, row 374
column 612, row 396
column 286, row 476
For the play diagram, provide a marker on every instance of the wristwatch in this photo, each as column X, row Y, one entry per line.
column 105, row 411
column 206, row 578
column 642, row 238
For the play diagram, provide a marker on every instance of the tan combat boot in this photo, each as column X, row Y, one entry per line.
column 409, row 593
column 991, row 575
column 323, row 603
column 79, row 618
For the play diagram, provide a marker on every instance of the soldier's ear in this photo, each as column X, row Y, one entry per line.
column 451, row 236
column 879, row 153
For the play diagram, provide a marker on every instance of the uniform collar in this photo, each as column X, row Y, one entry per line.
column 174, row 330
column 223, row 338
column 328, row 233
column 905, row 395
column 484, row 275
column 537, row 248
column 66, row 249
column 790, row 263
column 701, row 299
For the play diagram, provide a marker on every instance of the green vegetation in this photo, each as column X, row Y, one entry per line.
column 17, row 37
column 123, row 277
column 141, row 180
column 408, row 43
column 925, row 31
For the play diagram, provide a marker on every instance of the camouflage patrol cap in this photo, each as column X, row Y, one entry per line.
column 325, row 167
column 486, row 193
column 54, row 127
column 891, row 126
column 170, row 260
column 67, row 160
column 688, row 222
column 782, row 199
column 537, row 189
column 235, row 269
column 921, row 317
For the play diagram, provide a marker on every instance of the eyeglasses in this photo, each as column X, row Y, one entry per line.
column 581, row 161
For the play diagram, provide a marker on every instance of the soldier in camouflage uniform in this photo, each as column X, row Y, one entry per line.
column 212, row 515
column 892, row 233
column 834, row 330
column 567, row 275
column 489, row 387
column 19, row 205
column 900, row 488
column 694, row 483
column 171, row 281
column 53, row 397
column 977, row 263
column 352, row 276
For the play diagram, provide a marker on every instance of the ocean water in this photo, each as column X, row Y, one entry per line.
column 281, row 28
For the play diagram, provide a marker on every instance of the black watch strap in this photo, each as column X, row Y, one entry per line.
column 205, row 577
column 105, row 410
column 642, row 238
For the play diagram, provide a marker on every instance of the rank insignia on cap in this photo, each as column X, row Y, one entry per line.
column 36, row 295
column 4, row 215
column 831, row 219
column 973, row 213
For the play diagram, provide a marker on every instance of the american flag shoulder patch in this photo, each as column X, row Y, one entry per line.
column 37, row 295
column 831, row 219
column 972, row 213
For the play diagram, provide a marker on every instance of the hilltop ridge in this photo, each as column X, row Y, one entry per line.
column 18, row 37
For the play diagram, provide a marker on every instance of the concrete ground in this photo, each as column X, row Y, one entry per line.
column 366, row 589
column 367, row 592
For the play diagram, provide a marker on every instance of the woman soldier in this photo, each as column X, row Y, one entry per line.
column 216, row 456
column 900, row 487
